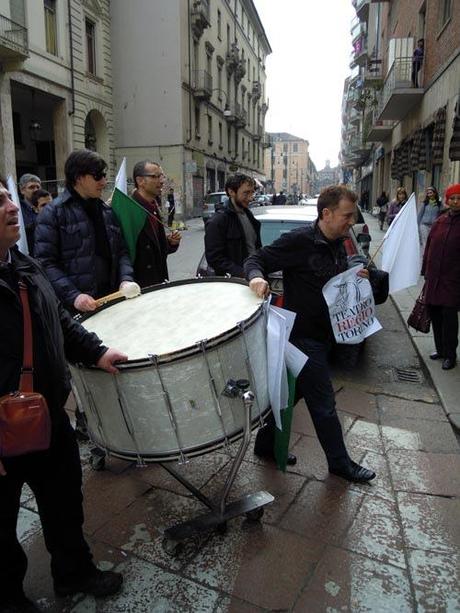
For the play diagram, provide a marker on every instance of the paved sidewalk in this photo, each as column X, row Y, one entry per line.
column 323, row 546
column 447, row 383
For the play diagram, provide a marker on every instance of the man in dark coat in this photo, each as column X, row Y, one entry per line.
column 77, row 239
column 309, row 257
column 153, row 244
column 54, row 475
column 28, row 185
column 233, row 233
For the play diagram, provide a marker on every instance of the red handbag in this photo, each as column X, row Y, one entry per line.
column 25, row 424
column 420, row 319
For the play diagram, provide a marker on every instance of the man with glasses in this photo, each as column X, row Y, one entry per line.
column 77, row 239
column 153, row 244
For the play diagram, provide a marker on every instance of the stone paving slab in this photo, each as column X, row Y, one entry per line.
column 436, row 580
column 430, row 473
column 398, row 408
column 420, row 434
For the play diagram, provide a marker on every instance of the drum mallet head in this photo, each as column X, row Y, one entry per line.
column 130, row 290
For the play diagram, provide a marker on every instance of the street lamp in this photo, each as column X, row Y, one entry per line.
column 227, row 112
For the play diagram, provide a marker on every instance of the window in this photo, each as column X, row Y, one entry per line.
column 50, row 26
column 295, row 147
column 445, row 7
column 210, row 141
column 285, row 148
column 228, row 37
column 219, row 25
column 229, row 139
column 220, row 135
column 219, row 81
column 197, row 122
column 90, row 31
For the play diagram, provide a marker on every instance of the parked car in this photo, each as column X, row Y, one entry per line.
column 276, row 220
column 212, row 203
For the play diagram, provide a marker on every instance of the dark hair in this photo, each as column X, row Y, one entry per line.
column 331, row 196
column 3, row 182
column 139, row 169
column 82, row 162
column 39, row 193
column 234, row 182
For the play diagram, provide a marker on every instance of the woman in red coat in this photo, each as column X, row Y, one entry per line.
column 441, row 269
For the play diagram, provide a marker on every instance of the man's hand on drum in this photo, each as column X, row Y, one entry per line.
column 260, row 287
column 84, row 302
column 108, row 360
column 174, row 238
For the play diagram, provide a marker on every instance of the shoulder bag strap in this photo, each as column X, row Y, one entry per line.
column 26, row 382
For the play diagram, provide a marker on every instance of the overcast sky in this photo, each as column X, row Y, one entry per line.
column 311, row 46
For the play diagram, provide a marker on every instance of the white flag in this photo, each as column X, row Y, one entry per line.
column 22, row 242
column 401, row 248
column 121, row 182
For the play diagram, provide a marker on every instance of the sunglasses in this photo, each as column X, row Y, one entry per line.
column 98, row 176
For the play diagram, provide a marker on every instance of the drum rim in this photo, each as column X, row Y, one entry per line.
column 186, row 352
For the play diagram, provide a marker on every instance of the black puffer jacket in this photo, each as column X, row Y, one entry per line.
column 308, row 260
column 56, row 336
column 65, row 246
column 225, row 243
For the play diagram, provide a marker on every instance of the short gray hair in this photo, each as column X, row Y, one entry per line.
column 28, row 178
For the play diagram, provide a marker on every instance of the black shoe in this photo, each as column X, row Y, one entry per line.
column 99, row 584
column 354, row 472
column 435, row 356
column 291, row 458
column 19, row 604
column 448, row 364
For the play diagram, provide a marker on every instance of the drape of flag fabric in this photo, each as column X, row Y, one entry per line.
column 401, row 248
column 22, row 242
column 131, row 218
column 121, row 181
column 282, row 437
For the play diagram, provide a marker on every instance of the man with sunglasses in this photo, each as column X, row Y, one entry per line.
column 77, row 239
column 153, row 244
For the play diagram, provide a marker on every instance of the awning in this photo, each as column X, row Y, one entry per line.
column 454, row 147
column 439, row 135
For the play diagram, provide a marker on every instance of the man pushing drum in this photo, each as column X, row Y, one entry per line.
column 51, row 467
column 309, row 257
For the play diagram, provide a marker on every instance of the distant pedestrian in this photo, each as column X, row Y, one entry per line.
column 382, row 205
column 171, row 206
column 397, row 204
column 364, row 201
column 40, row 198
column 28, row 184
column 280, row 199
column 428, row 214
column 417, row 61
column 441, row 269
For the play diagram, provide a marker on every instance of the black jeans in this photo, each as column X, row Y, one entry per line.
column 55, row 478
column 445, row 330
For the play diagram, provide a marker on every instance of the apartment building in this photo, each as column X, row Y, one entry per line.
column 399, row 124
column 189, row 91
column 55, row 84
column 288, row 166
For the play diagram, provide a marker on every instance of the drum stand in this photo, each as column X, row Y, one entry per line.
column 251, row 505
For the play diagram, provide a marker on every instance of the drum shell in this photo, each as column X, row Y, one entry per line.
column 129, row 413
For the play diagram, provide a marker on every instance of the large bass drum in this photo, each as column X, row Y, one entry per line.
column 187, row 343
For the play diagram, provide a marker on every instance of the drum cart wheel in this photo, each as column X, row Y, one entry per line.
column 219, row 513
column 97, row 459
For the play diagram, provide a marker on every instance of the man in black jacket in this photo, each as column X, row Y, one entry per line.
column 233, row 233
column 77, row 239
column 309, row 257
column 54, row 475
column 153, row 244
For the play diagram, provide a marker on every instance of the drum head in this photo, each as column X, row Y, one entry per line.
column 170, row 318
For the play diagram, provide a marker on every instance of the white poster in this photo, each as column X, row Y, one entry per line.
column 351, row 307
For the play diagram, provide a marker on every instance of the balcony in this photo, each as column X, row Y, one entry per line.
column 358, row 31
column 360, row 56
column 266, row 141
column 232, row 59
column 240, row 70
column 202, row 84
column 241, row 118
column 236, row 115
column 354, row 116
column 256, row 91
column 259, row 133
column 362, row 9
column 14, row 44
column 373, row 74
column 399, row 96
column 359, row 147
column 379, row 130
column 201, row 17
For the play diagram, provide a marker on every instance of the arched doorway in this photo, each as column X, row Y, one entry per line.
column 96, row 137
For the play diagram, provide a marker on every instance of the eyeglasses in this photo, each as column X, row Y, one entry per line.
column 154, row 176
column 98, row 176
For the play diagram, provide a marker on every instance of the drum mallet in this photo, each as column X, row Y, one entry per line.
column 129, row 290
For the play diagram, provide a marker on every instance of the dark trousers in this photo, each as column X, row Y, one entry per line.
column 314, row 384
column 55, row 478
column 445, row 330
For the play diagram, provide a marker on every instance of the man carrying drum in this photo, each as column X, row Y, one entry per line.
column 309, row 257
column 53, row 472
column 231, row 235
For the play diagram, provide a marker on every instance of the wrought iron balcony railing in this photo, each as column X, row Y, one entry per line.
column 14, row 43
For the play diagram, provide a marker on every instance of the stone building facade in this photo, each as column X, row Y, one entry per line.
column 55, row 84
column 288, row 166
